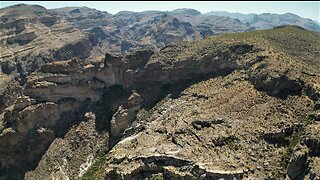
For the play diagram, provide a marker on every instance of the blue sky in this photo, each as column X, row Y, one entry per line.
column 307, row 9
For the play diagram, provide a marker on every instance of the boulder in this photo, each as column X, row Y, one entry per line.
column 297, row 165
column 7, row 67
column 22, row 102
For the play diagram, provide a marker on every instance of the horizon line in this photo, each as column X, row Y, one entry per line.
column 202, row 12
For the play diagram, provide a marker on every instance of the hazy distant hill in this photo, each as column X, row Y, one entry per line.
column 267, row 20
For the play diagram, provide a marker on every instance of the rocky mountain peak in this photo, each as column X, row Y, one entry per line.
column 186, row 11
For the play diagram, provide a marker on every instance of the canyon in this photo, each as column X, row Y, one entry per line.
column 89, row 95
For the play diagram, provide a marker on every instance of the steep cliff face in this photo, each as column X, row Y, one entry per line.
column 47, row 112
column 9, row 91
column 231, row 106
column 30, row 129
column 56, row 95
column 68, row 79
column 70, row 156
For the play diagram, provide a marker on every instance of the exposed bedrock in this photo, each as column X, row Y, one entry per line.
column 80, row 49
column 9, row 91
column 22, row 39
column 30, row 130
column 57, row 97
column 56, row 94
column 170, row 166
column 125, row 114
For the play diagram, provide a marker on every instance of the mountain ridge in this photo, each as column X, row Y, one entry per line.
column 245, row 18
column 89, row 95
column 313, row 24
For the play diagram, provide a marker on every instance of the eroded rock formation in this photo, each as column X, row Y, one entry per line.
column 223, row 107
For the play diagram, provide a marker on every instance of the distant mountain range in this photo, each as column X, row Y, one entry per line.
column 267, row 20
column 25, row 28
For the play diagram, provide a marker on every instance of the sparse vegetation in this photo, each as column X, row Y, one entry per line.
column 314, row 116
column 91, row 174
column 234, row 77
column 293, row 141
column 157, row 177
column 233, row 144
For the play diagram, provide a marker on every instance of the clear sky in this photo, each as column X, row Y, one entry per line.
column 307, row 9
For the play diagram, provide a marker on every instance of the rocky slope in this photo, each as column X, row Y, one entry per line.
column 238, row 106
column 258, row 120
column 32, row 36
column 243, row 105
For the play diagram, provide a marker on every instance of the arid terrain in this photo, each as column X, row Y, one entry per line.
column 85, row 94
